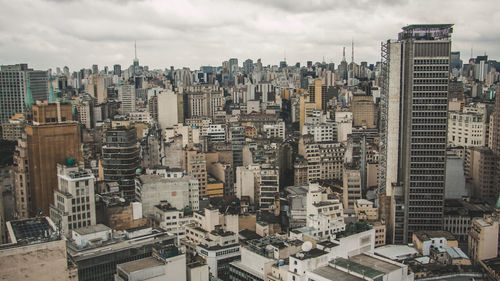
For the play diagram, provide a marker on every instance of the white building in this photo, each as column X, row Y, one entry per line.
column 319, row 202
column 214, row 237
column 171, row 220
column 319, row 125
column 167, row 265
column 140, row 116
column 344, row 125
column 467, row 128
column 275, row 131
column 361, row 267
column 216, row 132
column 245, row 181
column 74, row 200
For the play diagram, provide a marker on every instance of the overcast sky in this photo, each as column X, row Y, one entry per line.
column 78, row 33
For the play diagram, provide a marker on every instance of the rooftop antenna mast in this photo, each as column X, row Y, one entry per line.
column 352, row 47
column 135, row 49
column 343, row 54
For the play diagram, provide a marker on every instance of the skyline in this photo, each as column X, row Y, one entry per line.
column 193, row 33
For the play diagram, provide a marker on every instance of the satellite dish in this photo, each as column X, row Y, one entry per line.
column 307, row 246
column 269, row 248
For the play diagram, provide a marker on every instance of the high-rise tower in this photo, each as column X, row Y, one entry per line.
column 120, row 158
column 414, row 109
column 14, row 83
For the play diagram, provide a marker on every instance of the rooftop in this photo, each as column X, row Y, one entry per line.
column 429, row 234
column 456, row 253
column 91, row 229
column 396, row 252
column 332, row 273
column 32, row 230
column 313, row 253
column 354, row 228
column 374, row 263
column 141, row 264
column 426, row 26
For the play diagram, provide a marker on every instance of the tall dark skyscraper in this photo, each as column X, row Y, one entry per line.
column 120, row 159
column 414, row 109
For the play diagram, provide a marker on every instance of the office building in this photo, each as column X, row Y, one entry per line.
column 166, row 263
column 317, row 94
column 14, row 83
column 325, row 160
column 415, row 76
column 95, row 252
column 120, row 159
column 117, row 70
column 267, row 188
column 352, row 190
column 127, row 96
column 51, row 137
column 74, row 200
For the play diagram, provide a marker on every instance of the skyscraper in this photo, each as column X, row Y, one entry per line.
column 120, row 159
column 126, row 94
column 233, row 67
column 413, row 125
column 14, row 83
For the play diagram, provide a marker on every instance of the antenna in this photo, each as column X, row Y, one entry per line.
column 284, row 55
column 352, row 46
column 135, row 49
column 343, row 54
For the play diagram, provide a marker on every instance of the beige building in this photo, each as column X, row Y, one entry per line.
column 480, row 165
column 380, row 233
column 317, row 94
column 169, row 111
column 13, row 130
column 364, row 210
column 195, row 165
column 424, row 241
column 300, row 172
column 324, row 160
column 97, row 87
column 306, row 109
column 483, row 239
column 363, row 111
column 51, row 138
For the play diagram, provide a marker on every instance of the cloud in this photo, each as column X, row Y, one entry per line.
column 77, row 33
